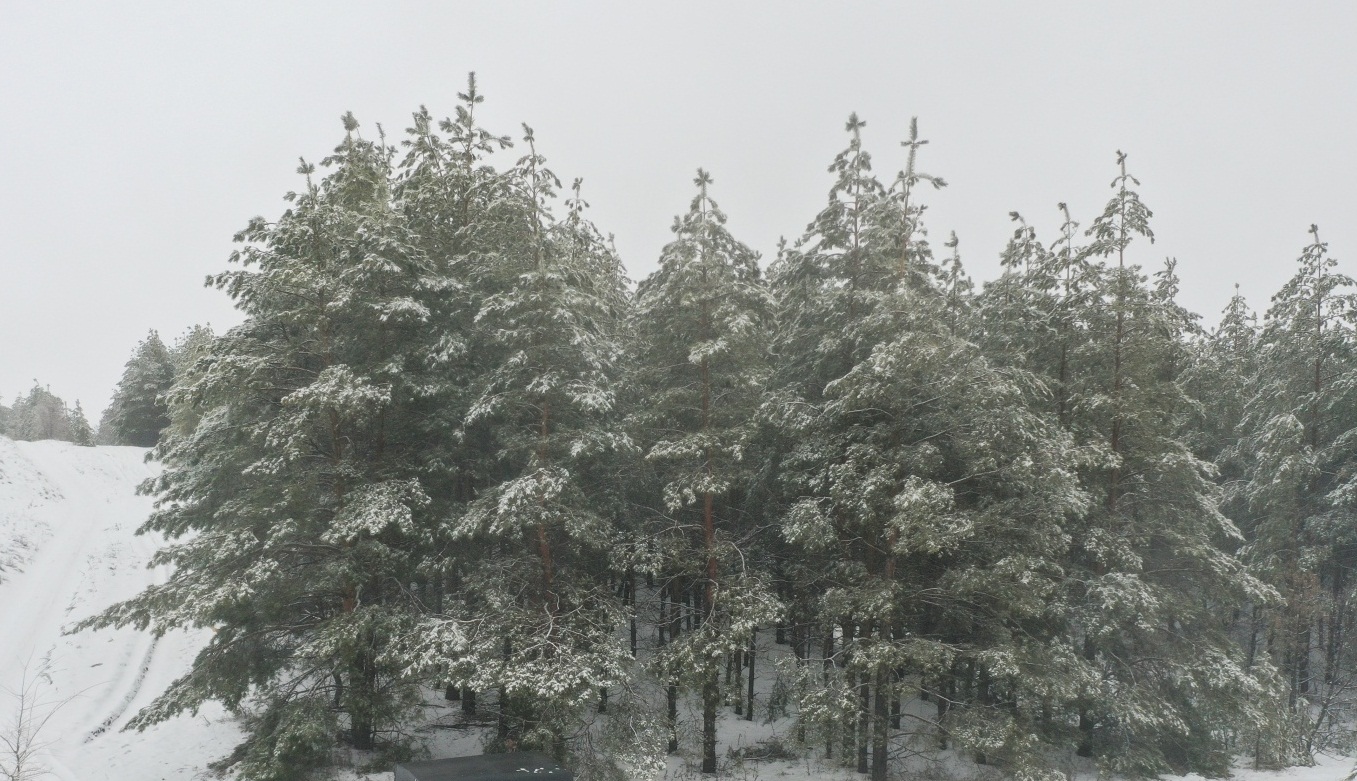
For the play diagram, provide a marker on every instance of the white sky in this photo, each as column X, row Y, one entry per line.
column 137, row 138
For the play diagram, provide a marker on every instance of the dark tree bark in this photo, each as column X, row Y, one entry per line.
column 631, row 604
column 749, row 700
column 880, row 724
column 711, row 698
column 673, row 718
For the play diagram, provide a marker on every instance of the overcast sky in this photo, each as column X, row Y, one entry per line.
column 138, row 137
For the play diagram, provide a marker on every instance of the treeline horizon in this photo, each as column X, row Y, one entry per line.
column 451, row 449
column 135, row 413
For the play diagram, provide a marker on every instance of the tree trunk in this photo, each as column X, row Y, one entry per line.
column 828, row 648
column 673, row 718
column 677, row 588
column 735, row 664
column 947, row 693
column 880, row 733
column 631, row 603
column 1253, row 638
column 864, row 721
column 749, row 700
column 664, row 616
column 363, row 682
column 1085, row 748
column 850, row 729
column 711, row 698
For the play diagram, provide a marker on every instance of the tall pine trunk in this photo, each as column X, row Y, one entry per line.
column 711, row 698
column 749, row 700
column 880, row 725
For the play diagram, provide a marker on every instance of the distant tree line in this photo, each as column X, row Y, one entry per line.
column 41, row 414
column 451, row 449
column 136, row 414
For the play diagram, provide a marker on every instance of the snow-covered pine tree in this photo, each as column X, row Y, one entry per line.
column 935, row 491
column 701, row 333
column 536, row 621
column 1029, row 314
column 463, row 213
column 461, row 210
column 40, row 415
column 831, row 288
column 289, row 483
column 949, row 506
column 81, row 432
column 1150, row 571
column 1219, row 378
column 192, row 344
column 137, row 411
column 1070, row 273
column 828, row 315
column 825, row 290
column 959, row 290
column 1018, row 310
column 1298, row 428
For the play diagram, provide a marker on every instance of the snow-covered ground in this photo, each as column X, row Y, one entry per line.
column 67, row 520
column 68, row 549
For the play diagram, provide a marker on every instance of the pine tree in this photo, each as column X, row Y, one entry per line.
column 926, row 473
column 81, row 433
column 827, row 288
column 464, row 215
column 1030, row 314
column 137, row 411
column 539, row 622
column 1219, row 378
column 1222, row 368
column 701, row 323
column 1150, row 572
column 288, row 480
column 41, row 415
column 1296, row 451
column 193, row 344
column 953, row 488
column 874, row 334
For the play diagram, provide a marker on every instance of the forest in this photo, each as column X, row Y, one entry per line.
column 454, row 452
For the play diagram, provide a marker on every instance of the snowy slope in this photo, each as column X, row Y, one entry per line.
column 67, row 520
column 23, row 490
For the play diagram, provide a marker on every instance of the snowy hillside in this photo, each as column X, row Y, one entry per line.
column 67, row 547
column 23, row 490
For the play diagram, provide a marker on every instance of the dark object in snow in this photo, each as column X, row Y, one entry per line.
column 518, row 766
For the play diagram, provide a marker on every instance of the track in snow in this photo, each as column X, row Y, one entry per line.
column 68, row 517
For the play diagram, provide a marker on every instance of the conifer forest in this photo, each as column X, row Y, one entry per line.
column 453, row 454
